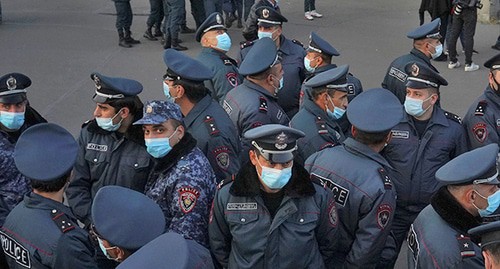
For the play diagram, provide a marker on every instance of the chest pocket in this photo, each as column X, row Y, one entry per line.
column 95, row 157
column 243, row 224
column 304, row 223
column 135, row 171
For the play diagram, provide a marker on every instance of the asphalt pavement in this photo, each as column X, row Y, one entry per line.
column 59, row 43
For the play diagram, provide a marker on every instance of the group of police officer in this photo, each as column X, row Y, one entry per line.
column 254, row 165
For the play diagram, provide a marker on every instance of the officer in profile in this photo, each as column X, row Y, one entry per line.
column 438, row 238
column 270, row 24
column 325, row 102
column 41, row 232
column 182, row 181
column 482, row 120
column 426, row 46
column 139, row 219
column 215, row 43
column 254, row 103
column 16, row 115
column 204, row 118
column 172, row 250
column 425, row 139
column 361, row 179
column 490, row 243
column 272, row 212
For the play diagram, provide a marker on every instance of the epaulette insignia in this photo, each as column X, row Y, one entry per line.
column 62, row 221
column 246, row 44
column 263, row 104
column 321, row 125
column 481, row 108
column 211, row 126
column 453, row 117
column 295, row 41
column 466, row 246
column 385, row 178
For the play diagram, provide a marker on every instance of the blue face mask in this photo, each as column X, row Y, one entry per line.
column 107, row 123
column 104, row 249
column 159, row 147
column 337, row 111
column 166, row 91
column 307, row 65
column 224, row 42
column 493, row 203
column 414, row 106
column 12, row 120
column 438, row 52
column 275, row 178
column 261, row 34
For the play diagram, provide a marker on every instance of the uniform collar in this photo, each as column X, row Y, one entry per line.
column 181, row 149
column 246, row 182
column 33, row 200
column 424, row 57
column 258, row 88
column 196, row 111
column 285, row 45
column 360, row 149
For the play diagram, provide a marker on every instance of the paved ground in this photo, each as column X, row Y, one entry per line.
column 58, row 43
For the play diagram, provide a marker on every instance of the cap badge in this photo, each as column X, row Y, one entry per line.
column 415, row 70
column 218, row 18
column 265, row 13
column 97, row 82
column 281, row 141
column 149, row 109
column 11, row 83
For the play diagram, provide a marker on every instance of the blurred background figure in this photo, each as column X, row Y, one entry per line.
column 310, row 10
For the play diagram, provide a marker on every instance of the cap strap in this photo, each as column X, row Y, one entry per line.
column 435, row 35
column 270, row 22
column 497, row 66
column 485, row 180
column 315, row 49
column 336, row 86
column 424, row 81
column 214, row 27
column 12, row 92
column 110, row 96
column 272, row 151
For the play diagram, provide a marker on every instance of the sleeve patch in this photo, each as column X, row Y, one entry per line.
column 340, row 194
column 480, row 131
column 187, row 198
column 227, row 107
column 221, row 155
column 232, row 78
column 384, row 212
column 333, row 217
column 15, row 250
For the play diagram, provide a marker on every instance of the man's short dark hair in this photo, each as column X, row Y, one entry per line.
column 133, row 103
column 371, row 138
column 494, row 250
column 193, row 91
column 50, row 186
column 262, row 75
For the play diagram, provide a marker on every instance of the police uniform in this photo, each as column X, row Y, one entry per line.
column 418, row 155
column 325, row 132
column 243, row 233
column 13, row 185
column 438, row 237
column 250, row 27
column 354, row 87
column 482, row 121
column 250, row 105
column 182, row 182
column 226, row 75
column 170, row 249
column 292, row 59
column 207, row 122
column 114, row 206
column 395, row 78
column 361, row 182
column 42, row 232
column 108, row 158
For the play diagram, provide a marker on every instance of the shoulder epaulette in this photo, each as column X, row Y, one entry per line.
column 227, row 60
column 321, row 126
column 296, row 42
column 245, row 44
column 385, row 178
column 62, row 221
column 263, row 104
column 481, row 108
column 466, row 246
column 211, row 126
column 453, row 117
column 86, row 123
column 225, row 182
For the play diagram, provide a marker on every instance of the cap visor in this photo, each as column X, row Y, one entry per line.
column 99, row 99
column 282, row 157
column 13, row 98
column 150, row 120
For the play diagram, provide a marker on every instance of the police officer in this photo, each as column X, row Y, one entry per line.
column 483, row 118
column 422, row 142
column 490, row 243
column 204, row 118
column 173, row 22
column 292, row 54
column 272, row 212
column 250, row 26
column 16, row 115
column 215, row 44
column 140, row 220
column 426, row 46
column 182, row 181
column 170, row 249
column 438, row 238
column 41, row 232
column 112, row 151
column 324, row 104
column 154, row 20
column 124, row 18
column 361, row 179
column 254, row 103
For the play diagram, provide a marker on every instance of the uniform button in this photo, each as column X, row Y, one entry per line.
column 135, row 165
column 54, row 211
column 243, row 220
column 301, row 220
column 95, row 160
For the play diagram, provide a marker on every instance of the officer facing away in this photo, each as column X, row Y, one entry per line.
column 139, row 219
column 490, row 243
column 438, row 237
column 272, row 212
column 41, row 232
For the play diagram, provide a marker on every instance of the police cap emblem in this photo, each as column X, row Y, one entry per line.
column 97, row 82
column 11, row 83
column 218, row 18
column 415, row 70
column 281, row 141
column 149, row 109
column 265, row 13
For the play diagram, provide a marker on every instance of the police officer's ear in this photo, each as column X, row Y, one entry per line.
column 253, row 157
column 489, row 261
column 124, row 113
column 179, row 90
